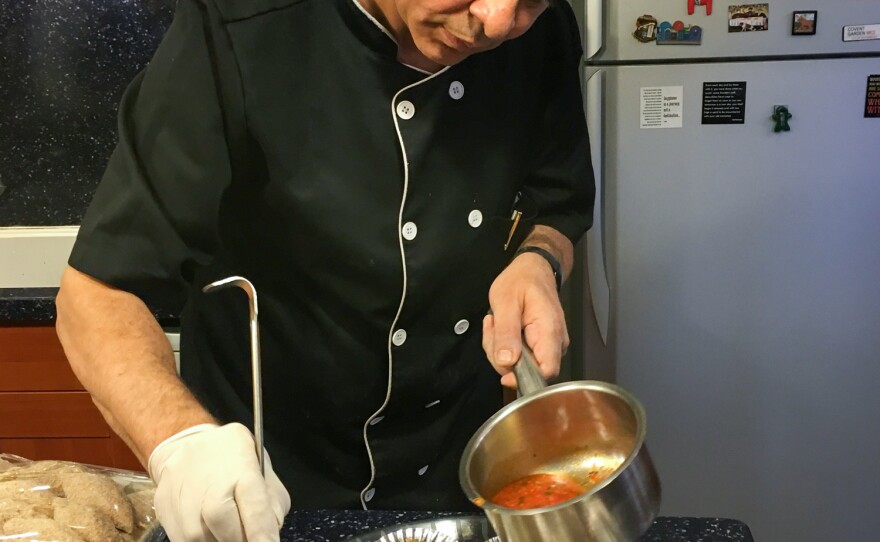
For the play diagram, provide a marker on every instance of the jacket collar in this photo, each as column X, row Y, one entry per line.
column 367, row 29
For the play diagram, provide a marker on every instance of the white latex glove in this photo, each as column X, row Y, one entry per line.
column 209, row 487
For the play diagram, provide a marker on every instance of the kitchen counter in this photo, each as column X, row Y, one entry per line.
column 333, row 526
column 36, row 306
column 27, row 305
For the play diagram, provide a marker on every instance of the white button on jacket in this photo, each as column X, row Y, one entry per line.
column 406, row 110
column 475, row 218
column 456, row 90
column 461, row 326
column 409, row 231
column 368, row 496
column 399, row 337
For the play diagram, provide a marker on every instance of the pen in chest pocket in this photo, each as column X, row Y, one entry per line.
column 515, row 217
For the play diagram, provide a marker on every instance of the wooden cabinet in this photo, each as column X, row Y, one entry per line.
column 44, row 411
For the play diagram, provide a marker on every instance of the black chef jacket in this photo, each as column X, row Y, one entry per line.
column 368, row 202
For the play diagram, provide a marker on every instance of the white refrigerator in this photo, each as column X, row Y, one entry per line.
column 732, row 277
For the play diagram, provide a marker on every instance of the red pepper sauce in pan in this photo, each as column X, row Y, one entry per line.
column 538, row 491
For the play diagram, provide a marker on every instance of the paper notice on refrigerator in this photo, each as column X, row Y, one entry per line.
column 724, row 102
column 662, row 107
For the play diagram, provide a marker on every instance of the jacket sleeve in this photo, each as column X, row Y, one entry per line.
column 154, row 215
column 562, row 183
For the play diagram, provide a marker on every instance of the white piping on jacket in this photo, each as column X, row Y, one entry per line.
column 403, row 264
column 375, row 21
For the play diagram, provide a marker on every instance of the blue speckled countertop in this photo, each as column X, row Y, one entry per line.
column 64, row 67
column 337, row 526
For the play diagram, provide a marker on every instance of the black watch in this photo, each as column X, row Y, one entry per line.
column 554, row 263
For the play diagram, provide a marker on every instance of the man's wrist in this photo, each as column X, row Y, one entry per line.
column 547, row 255
column 158, row 450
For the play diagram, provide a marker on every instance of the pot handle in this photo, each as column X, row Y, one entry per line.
column 528, row 377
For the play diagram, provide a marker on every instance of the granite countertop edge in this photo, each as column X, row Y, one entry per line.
column 27, row 305
column 345, row 525
column 36, row 306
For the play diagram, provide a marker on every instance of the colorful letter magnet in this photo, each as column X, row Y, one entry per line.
column 678, row 33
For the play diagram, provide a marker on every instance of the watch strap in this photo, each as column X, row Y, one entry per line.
column 554, row 263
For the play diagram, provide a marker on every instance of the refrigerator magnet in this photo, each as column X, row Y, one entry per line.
column 872, row 98
column 724, row 102
column 748, row 17
column 678, row 33
column 661, row 107
column 646, row 29
column 780, row 117
column 861, row 32
column 803, row 23
column 692, row 6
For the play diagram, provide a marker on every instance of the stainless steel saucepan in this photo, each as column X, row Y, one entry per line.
column 585, row 430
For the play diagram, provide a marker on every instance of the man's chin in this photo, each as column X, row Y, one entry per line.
column 444, row 55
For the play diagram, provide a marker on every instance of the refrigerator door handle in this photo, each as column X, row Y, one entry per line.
column 594, row 37
column 600, row 292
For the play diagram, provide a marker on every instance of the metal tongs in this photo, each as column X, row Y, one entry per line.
column 256, row 364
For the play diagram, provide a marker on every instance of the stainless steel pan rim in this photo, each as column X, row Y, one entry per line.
column 486, row 428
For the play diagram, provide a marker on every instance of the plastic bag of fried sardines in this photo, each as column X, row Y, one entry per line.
column 60, row 501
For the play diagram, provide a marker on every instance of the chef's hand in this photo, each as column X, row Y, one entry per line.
column 209, row 487
column 524, row 300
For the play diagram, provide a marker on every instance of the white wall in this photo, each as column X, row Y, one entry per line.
column 34, row 257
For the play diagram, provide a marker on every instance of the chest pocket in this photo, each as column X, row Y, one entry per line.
column 489, row 249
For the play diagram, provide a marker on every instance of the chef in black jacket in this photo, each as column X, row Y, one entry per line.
column 373, row 167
